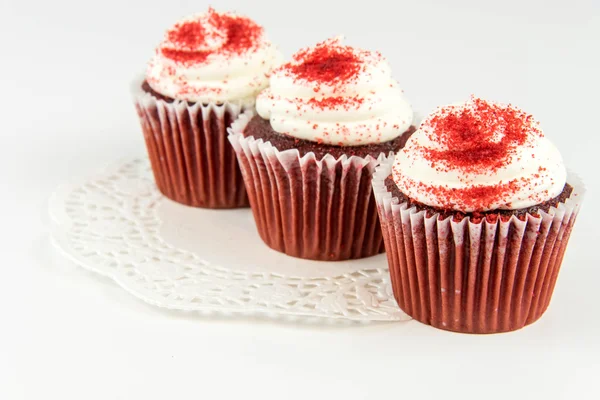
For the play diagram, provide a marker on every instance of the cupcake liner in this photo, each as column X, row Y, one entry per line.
column 308, row 208
column 474, row 277
column 192, row 161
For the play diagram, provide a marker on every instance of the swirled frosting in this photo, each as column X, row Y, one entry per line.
column 336, row 94
column 479, row 156
column 212, row 57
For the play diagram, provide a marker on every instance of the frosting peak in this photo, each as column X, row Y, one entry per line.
column 336, row 94
column 479, row 156
column 212, row 57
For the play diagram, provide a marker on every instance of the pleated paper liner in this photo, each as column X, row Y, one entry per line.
column 474, row 277
column 308, row 208
column 192, row 161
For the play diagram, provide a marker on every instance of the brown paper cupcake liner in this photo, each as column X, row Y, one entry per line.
column 474, row 277
column 192, row 161
column 308, row 208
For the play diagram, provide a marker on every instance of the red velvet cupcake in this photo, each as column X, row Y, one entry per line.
column 329, row 117
column 205, row 73
column 476, row 213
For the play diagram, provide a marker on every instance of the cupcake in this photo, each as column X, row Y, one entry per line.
column 330, row 116
column 476, row 213
column 205, row 73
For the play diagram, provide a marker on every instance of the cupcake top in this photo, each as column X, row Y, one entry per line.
column 479, row 156
column 337, row 95
column 212, row 57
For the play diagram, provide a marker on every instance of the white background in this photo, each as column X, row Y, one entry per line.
column 65, row 110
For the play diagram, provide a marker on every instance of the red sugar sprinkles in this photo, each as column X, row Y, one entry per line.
column 346, row 103
column 328, row 63
column 479, row 138
column 334, row 65
column 476, row 197
column 194, row 41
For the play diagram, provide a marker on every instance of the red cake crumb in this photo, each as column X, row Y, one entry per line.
column 491, row 218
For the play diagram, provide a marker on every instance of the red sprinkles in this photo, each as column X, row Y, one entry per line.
column 476, row 197
column 189, row 34
column 328, row 62
column 482, row 137
column 336, row 102
column 333, row 64
column 185, row 40
column 476, row 139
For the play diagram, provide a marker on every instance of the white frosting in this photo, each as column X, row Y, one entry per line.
column 223, row 73
column 369, row 107
column 533, row 172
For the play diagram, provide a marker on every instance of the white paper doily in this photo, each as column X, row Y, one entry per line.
column 118, row 225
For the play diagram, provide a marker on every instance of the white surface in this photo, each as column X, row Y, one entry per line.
column 117, row 224
column 66, row 110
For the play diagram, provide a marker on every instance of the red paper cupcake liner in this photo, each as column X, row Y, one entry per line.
column 308, row 208
column 192, row 161
column 473, row 277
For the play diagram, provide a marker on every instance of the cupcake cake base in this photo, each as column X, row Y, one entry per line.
column 310, row 204
column 261, row 129
column 474, row 273
column 192, row 161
